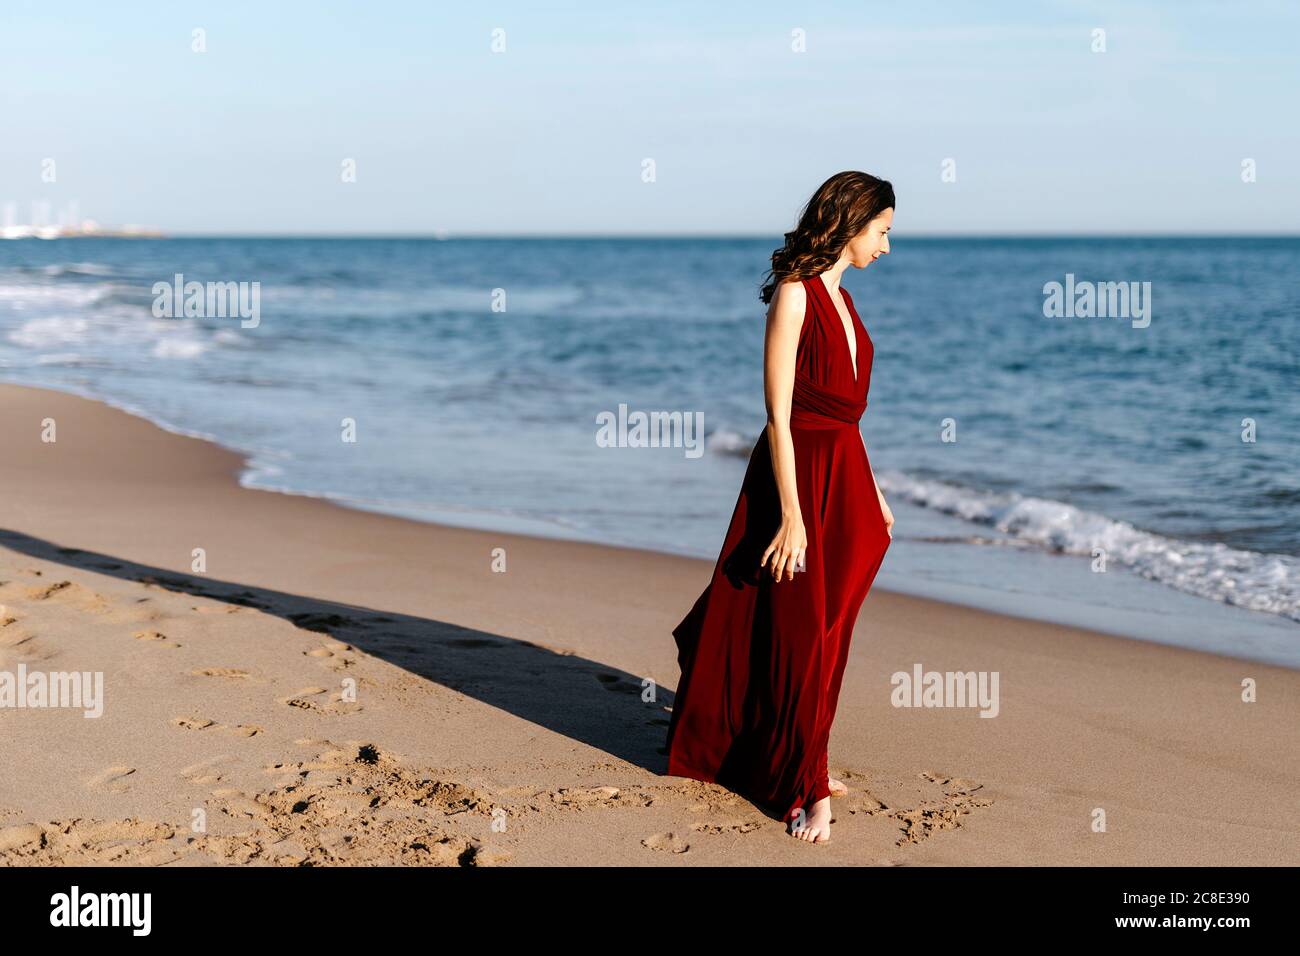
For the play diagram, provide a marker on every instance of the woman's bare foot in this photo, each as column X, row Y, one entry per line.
column 837, row 788
column 816, row 825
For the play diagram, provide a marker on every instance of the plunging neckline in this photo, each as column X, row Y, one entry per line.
column 853, row 320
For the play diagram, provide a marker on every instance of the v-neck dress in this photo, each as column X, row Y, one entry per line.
column 762, row 661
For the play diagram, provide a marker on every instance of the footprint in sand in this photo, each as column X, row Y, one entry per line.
column 323, row 623
column 23, row 643
column 318, row 743
column 202, row 723
column 921, row 822
column 746, row 826
column 155, row 637
column 112, row 780
column 81, row 598
column 670, row 842
column 217, row 609
column 229, row 673
column 585, row 796
column 194, row 723
column 48, row 591
column 617, row 684
column 952, row 786
column 331, row 655
column 236, row 803
column 246, row 599
column 11, row 636
column 164, row 582
column 133, row 615
column 81, row 842
column 20, row 836
column 314, row 699
column 207, row 772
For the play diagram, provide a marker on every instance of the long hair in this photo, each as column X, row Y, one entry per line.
column 839, row 210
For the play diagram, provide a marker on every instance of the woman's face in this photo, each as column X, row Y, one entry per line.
column 872, row 242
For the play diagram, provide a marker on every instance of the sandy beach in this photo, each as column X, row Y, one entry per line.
column 340, row 687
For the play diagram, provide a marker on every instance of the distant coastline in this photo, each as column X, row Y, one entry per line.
column 84, row 231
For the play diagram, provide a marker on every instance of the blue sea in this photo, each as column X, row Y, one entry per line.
column 1089, row 470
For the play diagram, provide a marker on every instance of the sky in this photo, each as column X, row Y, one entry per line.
column 989, row 118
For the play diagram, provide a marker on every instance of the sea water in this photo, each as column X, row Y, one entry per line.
column 1135, row 472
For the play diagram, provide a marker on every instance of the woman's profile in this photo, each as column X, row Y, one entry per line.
column 762, row 652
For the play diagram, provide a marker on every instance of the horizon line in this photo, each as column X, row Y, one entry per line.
column 448, row 235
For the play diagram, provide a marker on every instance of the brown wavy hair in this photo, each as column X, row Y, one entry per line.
column 839, row 210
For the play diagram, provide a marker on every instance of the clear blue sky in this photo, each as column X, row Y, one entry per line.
column 549, row 136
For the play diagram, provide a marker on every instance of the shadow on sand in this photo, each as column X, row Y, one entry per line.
column 583, row 699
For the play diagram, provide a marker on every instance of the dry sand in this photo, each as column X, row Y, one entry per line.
column 340, row 687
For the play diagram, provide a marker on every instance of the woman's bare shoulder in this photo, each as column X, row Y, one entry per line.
column 789, row 300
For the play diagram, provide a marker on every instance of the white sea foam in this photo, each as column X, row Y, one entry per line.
column 179, row 348
column 51, row 331
column 724, row 441
column 1249, row 579
column 77, row 269
column 50, row 319
column 26, row 295
column 62, row 358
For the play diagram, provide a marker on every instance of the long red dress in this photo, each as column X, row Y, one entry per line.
column 762, row 661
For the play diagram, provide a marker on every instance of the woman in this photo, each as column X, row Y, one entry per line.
column 762, row 652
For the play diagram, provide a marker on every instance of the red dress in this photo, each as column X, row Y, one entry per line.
column 762, row 661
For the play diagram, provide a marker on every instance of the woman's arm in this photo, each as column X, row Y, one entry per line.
column 781, row 344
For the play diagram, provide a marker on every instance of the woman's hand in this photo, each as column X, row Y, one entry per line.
column 787, row 549
column 889, row 517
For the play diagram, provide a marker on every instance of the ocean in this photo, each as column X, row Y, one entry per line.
column 1136, row 473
